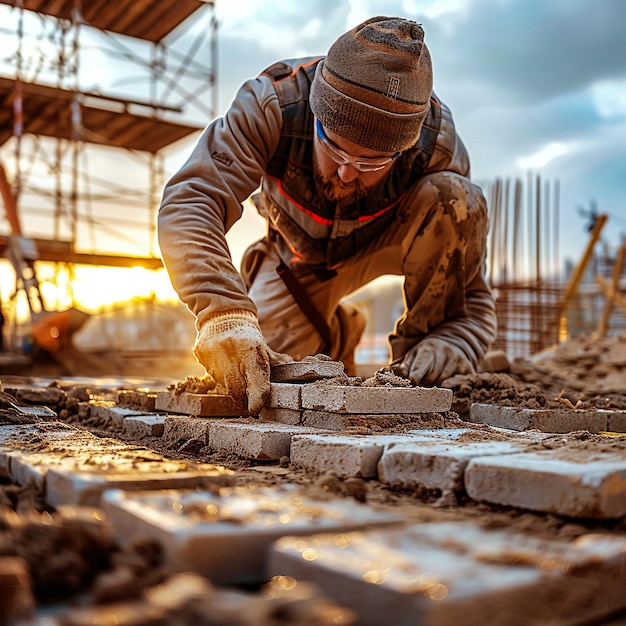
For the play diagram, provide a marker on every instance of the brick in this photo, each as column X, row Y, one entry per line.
column 458, row 573
column 573, row 483
column 306, row 371
column 283, row 416
column 369, row 400
column 199, row 404
column 346, row 456
column 180, row 428
column 379, row 421
column 262, row 441
column 435, row 465
column 546, row 420
column 145, row 426
column 81, row 487
column 284, row 396
column 226, row 537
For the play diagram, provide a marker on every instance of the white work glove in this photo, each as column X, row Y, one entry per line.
column 431, row 361
column 232, row 349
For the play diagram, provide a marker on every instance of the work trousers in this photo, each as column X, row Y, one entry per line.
column 437, row 242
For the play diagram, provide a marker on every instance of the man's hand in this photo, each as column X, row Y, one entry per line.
column 431, row 361
column 232, row 349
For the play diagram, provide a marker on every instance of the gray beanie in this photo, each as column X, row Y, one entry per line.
column 374, row 86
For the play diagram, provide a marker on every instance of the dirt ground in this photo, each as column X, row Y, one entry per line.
column 583, row 373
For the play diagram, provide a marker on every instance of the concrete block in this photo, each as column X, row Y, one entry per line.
column 573, row 483
column 283, row 416
column 198, row 404
column 284, row 396
column 458, row 573
column 226, row 536
column 345, row 455
column 306, row 371
column 546, row 420
column 84, row 487
column 266, row 441
column 145, row 426
column 180, row 428
column 380, row 400
column 434, row 464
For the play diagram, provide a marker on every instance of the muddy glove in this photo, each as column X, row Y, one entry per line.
column 232, row 349
column 431, row 361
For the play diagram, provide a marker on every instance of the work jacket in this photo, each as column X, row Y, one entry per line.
column 265, row 140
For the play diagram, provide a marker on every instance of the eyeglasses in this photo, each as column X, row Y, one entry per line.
column 363, row 164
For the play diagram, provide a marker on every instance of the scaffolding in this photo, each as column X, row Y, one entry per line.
column 92, row 92
column 95, row 95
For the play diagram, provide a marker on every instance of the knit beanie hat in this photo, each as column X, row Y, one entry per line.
column 374, row 86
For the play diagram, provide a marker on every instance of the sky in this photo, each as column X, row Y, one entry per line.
column 534, row 85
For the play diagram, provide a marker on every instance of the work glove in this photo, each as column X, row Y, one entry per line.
column 233, row 351
column 431, row 361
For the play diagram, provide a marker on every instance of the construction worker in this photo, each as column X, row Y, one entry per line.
column 360, row 174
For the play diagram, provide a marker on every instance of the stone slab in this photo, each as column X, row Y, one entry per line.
column 265, row 441
column 546, row 420
column 435, row 464
column 226, row 537
column 458, row 573
column 197, row 404
column 145, row 426
column 306, row 371
column 377, row 399
column 573, row 483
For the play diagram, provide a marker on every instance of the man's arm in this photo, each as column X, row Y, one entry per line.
column 204, row 199
column 200, row 203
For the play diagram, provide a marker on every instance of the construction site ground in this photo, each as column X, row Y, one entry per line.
column 497, row 498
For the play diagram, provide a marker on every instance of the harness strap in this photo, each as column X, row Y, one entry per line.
column 304, row 302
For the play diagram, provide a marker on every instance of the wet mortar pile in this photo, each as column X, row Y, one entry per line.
column 499, row 497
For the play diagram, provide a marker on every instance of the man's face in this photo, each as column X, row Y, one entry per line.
column 345, row 171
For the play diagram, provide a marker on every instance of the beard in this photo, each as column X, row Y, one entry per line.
column 335, row 190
